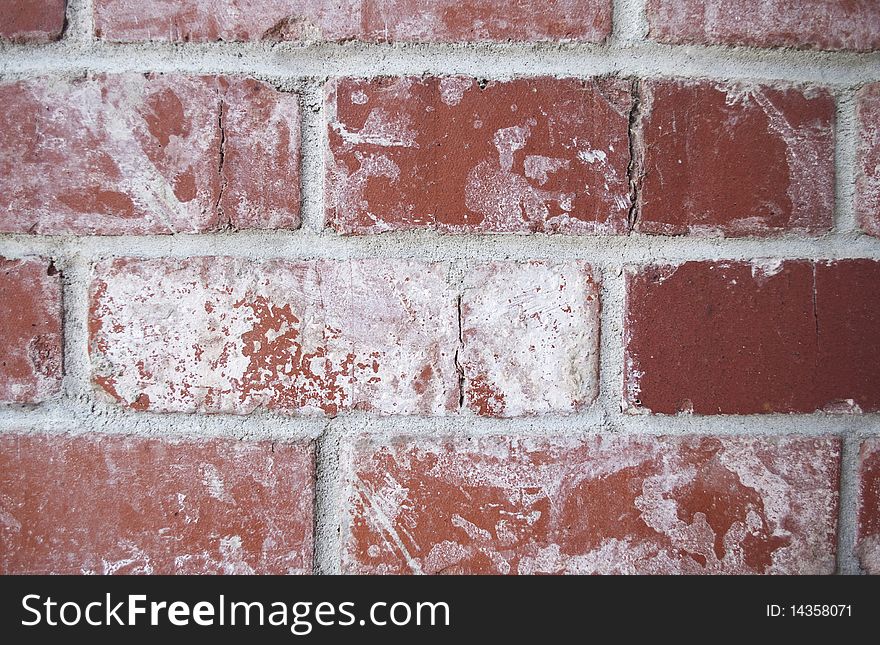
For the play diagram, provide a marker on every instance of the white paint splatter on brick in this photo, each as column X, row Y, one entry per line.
column 530, row 338
column 604, row 505
column 229, row 335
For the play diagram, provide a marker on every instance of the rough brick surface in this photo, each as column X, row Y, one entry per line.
column 736, row 159
column 603, row 505
column 741, row 338
column 260, row 169
column 91, row 504
column 530, row 335
column 539, row 154
column 30, row 331
column 366, row 20
column 131, row 153
column 231, row 335
column 868, row 166
column 868, row 540
column 31, row 20
column 816, row 24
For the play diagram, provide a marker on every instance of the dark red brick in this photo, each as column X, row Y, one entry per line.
column 847, row 316
column 451, row 154
column 73, row 504
column 741, row 338
column 736, row 160
column 606, row 504
column 30, row 331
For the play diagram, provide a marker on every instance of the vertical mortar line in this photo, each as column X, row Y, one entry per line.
column 312, row 144
column 611, row 349
column 847, row 561
column 845, row 137
column 629, row 22
column 76, row 277
column 328, row 505
column 80, row 21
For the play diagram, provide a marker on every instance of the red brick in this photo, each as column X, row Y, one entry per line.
column 741, row 338
column 365, row 20
column 847, row 312
column 30, row 331
column 260, row 157
column 314, row 337
column 530, row 334
column 868, row 540
column 450, row 154
column 607, row 504
column 139, row 154
column 76, row 504
column 867, row 203
column 736, row 160
column 31, row 20
column 803, row 24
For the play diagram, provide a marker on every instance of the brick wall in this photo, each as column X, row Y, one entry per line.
column 511, row 287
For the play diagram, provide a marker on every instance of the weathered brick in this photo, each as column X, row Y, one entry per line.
column 456, row 155
column 868, row 540
column 31, row 20
column 260, row 157
column 803, row 24
column 231, row 335
column 736, row 159
column 530, row 334
column 606, row 504
column 30, row 331
column 867, row 204
column 138, row 154
column 75, row 504
column 748, row 338
column 365, row 20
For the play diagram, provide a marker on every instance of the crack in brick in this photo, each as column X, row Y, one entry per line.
column 459, row 368
column 225, row 221
column 635, row 168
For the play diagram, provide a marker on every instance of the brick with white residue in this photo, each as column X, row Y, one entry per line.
column 92, row 504
column 868, row 539
column 127, row 154
column 530, row 338
column 30, row 330
column 365, row 20
column 867, row 201
column 232, row 335
column 647, row 505
column 457, row 155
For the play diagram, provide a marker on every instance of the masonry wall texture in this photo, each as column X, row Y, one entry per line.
column 576, row 286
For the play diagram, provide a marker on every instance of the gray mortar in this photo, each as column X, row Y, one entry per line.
column 304, row 68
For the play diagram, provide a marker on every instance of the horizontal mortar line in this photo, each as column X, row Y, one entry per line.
column 63, row 418
column 591, row 422
column 430, row 246
column 482, row 60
